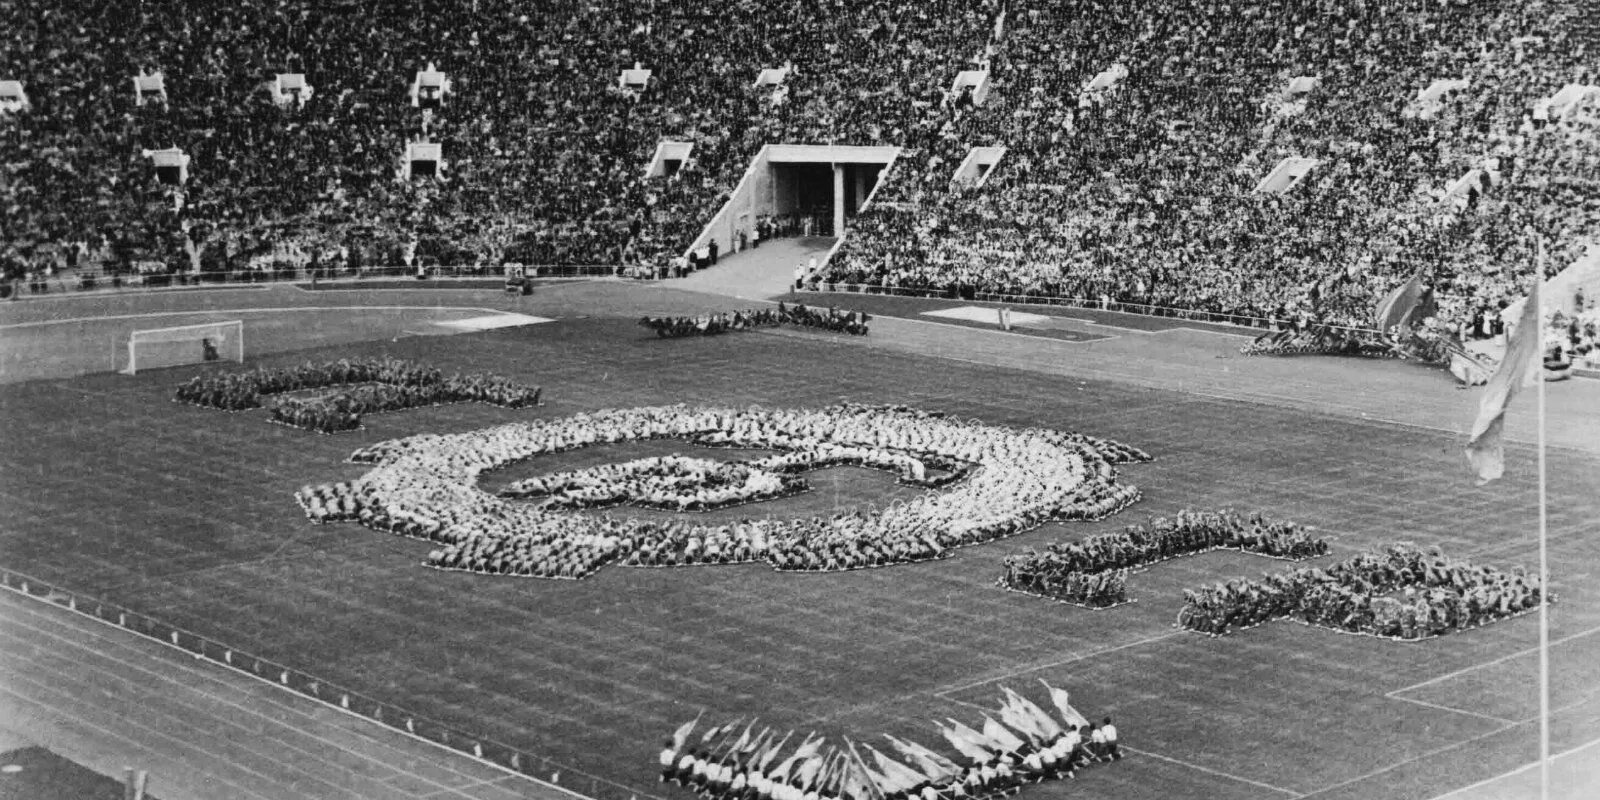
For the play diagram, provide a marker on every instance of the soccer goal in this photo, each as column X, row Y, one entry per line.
column 185, row 344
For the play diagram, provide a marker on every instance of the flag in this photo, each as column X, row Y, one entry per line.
column 1047, row 728
column 855, row 784
column 899, row 777
column 1519, row 368
column 718, row 730
column 809, row 771
column 997, row 733
column 755, row 744
column 1016, row 720
column 807, row 749
column 772, row 752
column 964, row 745
column 832, row 775
column 681, row 735
column 870, row 782
column 1068, row 713
column 1397, row 308
column 935, row 766
column 744, row 738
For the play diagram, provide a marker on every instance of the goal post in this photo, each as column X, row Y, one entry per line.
column 183, row 344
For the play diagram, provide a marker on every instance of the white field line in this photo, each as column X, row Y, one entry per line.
column 323, row 703
column 154, row 291
column 1475, row 667
column 1519, row 770
column 1219, row 773
column 1412, row 760
column 1448, row 708
column 159, row 314
column 1268, row 399
column 944, row 692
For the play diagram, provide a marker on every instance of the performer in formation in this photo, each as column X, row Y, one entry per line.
column 1094, row 572
column 367, row 387
column 830, row 319
column 1017, row 479
column 1438, row 595
column 1025, row 745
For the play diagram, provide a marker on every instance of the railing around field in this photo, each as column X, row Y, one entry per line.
column 557, row 777
column 96, row 280
column 1090, row 303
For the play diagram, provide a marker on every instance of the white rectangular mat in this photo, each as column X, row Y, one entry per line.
column 989, row 315
column 492, row 321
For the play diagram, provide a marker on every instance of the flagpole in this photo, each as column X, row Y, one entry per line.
column 1544, row 560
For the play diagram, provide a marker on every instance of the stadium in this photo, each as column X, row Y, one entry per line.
column 800, row 399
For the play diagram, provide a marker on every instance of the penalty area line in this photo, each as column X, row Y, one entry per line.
column 1209, row 771
column 1430, row 754
column 942, row 693
column 1448, row 708
column 1475, row 667
column 1518, row 770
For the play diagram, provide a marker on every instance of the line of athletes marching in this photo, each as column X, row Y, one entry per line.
column 1026, row 745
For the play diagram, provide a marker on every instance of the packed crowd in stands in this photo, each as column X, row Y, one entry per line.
column 1400, row 593
column 1144, row 194
column 366, row 386
column 1026, row 745
column 425, row 487
column 544, row 152
column 1094, row 572
column 1140, row 194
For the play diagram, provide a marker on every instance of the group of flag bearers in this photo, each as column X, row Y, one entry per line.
column 1025, row 745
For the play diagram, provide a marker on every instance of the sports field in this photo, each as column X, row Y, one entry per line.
column 186, row 514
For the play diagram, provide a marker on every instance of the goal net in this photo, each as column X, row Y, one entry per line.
column 185, row 344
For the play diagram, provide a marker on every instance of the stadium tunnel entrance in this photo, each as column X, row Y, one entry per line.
column 800, row 190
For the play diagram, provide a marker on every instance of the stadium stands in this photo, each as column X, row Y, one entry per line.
column 545, row 150
column 1134, row 136
column 1144, row 193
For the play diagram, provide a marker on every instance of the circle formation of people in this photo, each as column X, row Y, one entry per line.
column 1000, row 481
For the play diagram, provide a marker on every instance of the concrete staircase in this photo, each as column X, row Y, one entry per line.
column 757, row 273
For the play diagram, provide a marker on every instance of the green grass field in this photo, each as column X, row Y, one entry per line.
column 186, row 514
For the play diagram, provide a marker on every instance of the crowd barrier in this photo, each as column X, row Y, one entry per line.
column 1242, row 320
column 558, row 777
column 91, row 280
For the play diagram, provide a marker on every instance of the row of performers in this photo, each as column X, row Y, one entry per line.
column 1029, row 746
column 830, row 319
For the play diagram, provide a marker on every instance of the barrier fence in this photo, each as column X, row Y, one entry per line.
column 558, row 777
column 1242, row 320
column 91, row 280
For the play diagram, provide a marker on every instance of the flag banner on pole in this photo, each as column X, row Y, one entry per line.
column 1000, row 735
column 965, row 745
column 1059, row 697
column 1398, row 306
column 681, row 735
column 1519, row 368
